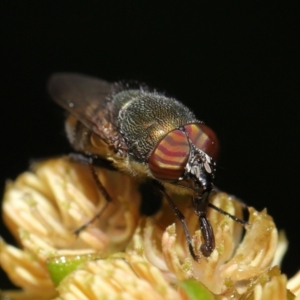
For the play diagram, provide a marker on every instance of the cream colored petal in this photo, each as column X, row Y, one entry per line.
column 294, row 284
column 150, row 246
column 256, row 251
column 144, row 245
column 73, row 205
column 27, row 208
column 24, row 270
column 275, row 289
column 281, row 249
column 227, row 232
column 130, row 277
column 182, row 270
column 25, row 295
column 95, row 238
column 42, row 248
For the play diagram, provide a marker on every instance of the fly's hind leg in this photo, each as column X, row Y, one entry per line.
column 89, row 161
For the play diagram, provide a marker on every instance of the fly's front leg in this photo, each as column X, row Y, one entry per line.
column 179, row 215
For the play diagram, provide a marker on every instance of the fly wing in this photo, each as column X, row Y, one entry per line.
column 88, row 99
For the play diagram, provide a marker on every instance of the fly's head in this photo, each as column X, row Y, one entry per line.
column 187, row 155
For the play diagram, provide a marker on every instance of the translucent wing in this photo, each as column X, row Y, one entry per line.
column 86, row 98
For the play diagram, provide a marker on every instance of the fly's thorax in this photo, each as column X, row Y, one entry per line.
column 145, row 118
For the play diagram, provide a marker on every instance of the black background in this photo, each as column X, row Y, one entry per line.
column 235, row 65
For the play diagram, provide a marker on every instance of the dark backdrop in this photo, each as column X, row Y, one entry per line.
column 236, row 66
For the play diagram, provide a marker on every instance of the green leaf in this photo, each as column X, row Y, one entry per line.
column 194, row 290
column 60, row 267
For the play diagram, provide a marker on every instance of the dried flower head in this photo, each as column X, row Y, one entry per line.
column 133, row 257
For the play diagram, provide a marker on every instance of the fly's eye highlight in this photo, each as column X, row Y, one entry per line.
column 204, row 139
column 169, row 158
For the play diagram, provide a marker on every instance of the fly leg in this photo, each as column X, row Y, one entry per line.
column 181, row 218
column 234, row 218
column 87, row 160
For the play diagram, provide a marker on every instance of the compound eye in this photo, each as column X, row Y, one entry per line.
column 170, row 156
column 203, row 138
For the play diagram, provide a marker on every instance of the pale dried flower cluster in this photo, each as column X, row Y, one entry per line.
column 139, row 257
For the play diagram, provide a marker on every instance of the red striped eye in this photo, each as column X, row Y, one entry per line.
column 203, row 138
column 169, row 158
